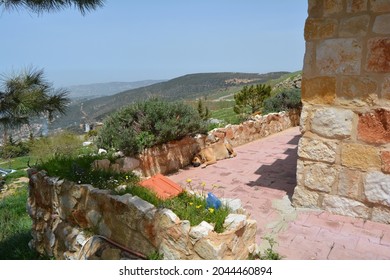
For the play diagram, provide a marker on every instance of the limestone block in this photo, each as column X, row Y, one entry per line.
column 332, row 122
column 128, row 164
column 200, row 231
column 303, row 197
column 381, row 215
column 355, row 6
column 234, row 204
column 249, row 236
column 320, row 176
column 350, row 182
column 377, row 188
column 304, row 118
column 355, row 26
column 332, row 7
column 378, row 55
column 380, row 5
column 381, row 24
column 373, row 127
column 207, row 250
column 319, row 90
column 234, row 222
column 141, row 205
column 385, row 157
column 339, row 56
column 320, row 28
column 360, row 156
column 344, row 206
column 318, row 149
column 357, row 87
column 166, row 218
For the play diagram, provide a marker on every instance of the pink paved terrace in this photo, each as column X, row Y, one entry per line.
column 263, row 176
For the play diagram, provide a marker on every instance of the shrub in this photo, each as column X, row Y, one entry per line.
column 147, row 123
column 12, row 149
column 64, row 143
column 283, row 101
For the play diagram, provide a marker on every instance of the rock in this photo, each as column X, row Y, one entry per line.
column 101, row 164
column 381, row 215
column 111, row 254
column 377, row 188
column 208, row 250
column 200, row 231
column 332, row 122
column 320, row 176
column 303, row 197
column 318, row 149
column 102, row 151
column 344, row 206
column 234, row 222
column 87, row 143
column 128, row 164
column 234, row 204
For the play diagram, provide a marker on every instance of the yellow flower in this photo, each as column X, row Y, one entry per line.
column 211, row 210
column 203, row 184
column 188, row 180
column 198, row 206
column 191, row 203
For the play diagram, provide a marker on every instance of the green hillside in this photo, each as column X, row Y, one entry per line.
column 188, row 87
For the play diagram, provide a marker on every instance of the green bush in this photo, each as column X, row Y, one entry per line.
column 13, row 150
column 64, row 143
column 283, row 101
column 147, row 123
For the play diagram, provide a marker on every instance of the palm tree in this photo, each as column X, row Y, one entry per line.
column 27, row 95
column 39, row 6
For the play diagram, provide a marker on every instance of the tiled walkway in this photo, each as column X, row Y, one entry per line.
column 263, row 176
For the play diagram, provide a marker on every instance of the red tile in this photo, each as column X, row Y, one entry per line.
column 340, row 252
column 162, row 186
column 385, row 240
column 375, row 251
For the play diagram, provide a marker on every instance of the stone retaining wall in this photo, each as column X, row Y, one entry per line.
column 344, row 154
column 66, row 215
column 170, row 157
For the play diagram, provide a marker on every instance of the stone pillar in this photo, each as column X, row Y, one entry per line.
column 344, row 154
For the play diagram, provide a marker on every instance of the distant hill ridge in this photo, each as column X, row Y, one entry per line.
column 104, row 89
column 187, row 87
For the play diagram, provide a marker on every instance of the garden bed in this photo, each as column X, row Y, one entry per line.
column 66, row 214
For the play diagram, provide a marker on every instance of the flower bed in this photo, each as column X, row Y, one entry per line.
column 65, row 213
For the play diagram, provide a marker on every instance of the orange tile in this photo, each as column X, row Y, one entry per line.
column 162, row 186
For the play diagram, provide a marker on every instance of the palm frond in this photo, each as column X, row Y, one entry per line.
column 40, row 6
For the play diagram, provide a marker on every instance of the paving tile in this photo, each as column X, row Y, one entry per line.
column 370, row 225
column 311, row 250
column 348, row 242
column 330, row 225
column 374, row 235
column 265, row 171
column 385, row 240
column 340, row 252
column 376, row 251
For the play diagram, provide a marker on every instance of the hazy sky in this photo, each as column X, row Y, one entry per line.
column 130, row 40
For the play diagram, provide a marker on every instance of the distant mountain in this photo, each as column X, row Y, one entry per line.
column 188, row 87
column 104, row 89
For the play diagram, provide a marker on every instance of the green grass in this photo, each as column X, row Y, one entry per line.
column 15, row 228
column 186, row 206
column 16, row 163
column 80, row 170
column 227, row 115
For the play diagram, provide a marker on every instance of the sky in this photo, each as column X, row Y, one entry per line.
column 128, row 40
